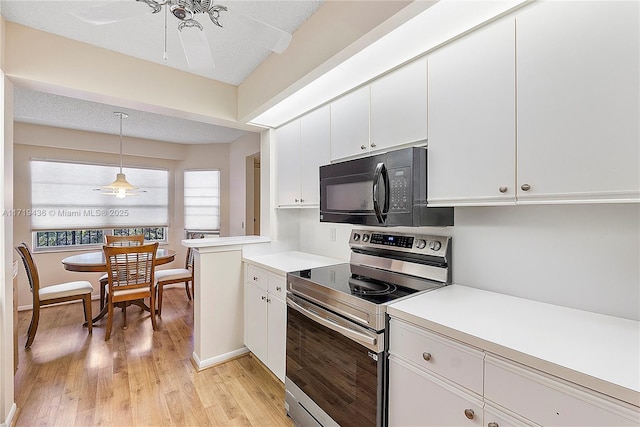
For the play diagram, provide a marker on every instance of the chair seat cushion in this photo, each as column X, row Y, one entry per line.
column 65, row 290
column 130, row 291
column 173, row 274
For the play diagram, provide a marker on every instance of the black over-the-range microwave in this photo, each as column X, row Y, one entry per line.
column 388, row 189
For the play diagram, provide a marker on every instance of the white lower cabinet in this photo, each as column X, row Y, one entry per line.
column 265, row 327
column 550, row 401
column 437, row 381
column 433, row 381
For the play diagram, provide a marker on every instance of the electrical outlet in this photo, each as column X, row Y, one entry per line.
column 332, row 234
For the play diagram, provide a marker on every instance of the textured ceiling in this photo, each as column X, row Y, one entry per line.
column 235, row 57
column 71, row 113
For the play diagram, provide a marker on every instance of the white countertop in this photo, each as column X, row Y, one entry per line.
column 285, row 262
column 224, row 241
column 594, row 350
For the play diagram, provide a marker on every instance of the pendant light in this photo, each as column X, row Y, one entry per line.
column 120, row 187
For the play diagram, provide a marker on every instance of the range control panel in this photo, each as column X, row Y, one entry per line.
column 403, row 242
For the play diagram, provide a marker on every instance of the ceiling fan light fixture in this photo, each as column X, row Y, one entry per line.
column 182, row 9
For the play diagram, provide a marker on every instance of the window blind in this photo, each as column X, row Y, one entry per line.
column 202, row 200
column 67, row 196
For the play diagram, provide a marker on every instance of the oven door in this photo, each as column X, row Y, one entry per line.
column 335, row 368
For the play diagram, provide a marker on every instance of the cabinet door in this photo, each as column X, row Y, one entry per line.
column 578, row 101
column 419, row 399
column 472, row 147
column 315, row 136
column 255, row 321
column 350, row 124
column 277, row 336
column 399, row 106
column 288, row 164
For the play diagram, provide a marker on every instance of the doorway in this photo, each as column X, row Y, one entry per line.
column 253, row 195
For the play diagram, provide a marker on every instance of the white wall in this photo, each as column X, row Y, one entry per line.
column 580, row 256
column 238, row 152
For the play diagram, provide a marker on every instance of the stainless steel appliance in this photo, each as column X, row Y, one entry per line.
column 336, row 370
column 388, row 189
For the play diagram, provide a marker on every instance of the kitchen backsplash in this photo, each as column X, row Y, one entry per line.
column 579, row 256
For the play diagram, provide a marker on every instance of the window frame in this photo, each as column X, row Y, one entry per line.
column 89, row 246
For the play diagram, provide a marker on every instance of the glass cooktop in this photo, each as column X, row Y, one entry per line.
column 340, row 278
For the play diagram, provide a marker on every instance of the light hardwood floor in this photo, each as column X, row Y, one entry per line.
column 138, row 378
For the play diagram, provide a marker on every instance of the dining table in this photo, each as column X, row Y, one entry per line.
column 95, row 262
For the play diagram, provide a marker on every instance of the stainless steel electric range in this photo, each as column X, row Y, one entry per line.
column 336, row 370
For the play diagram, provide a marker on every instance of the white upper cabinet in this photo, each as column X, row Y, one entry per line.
column 288, row 163
column 399, row 106
column 472, row 147
column 350, row 124
column 390, row 112
column 314, row 151
column 302, row 146
column 578, row 101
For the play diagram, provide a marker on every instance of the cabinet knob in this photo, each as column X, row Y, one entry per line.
column 525, row 187
column 296, row 200
column 373, row 144
column 503, row 189
column 363, row 147
column 301, row 200
column 469, row 413
column 426, row 356
column 278, row 288
column 268, row 299
column 255, row 278
column 492, row 424
column 263, row 298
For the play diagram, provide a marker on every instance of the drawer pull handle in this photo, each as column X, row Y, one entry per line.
column 426, row 356
column 492, row 425
column 469, row 413
column 525, row 187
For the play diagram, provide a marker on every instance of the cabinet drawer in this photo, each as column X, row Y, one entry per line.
column 417, row 398
column 450, row 359
column 550, row 401
column 277, row 286
column 257, row 276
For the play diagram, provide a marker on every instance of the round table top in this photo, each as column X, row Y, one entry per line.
column 95, row 261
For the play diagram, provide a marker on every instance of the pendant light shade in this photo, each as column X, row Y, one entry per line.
column 120, row 187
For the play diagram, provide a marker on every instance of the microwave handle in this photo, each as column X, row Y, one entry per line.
column 381, row 169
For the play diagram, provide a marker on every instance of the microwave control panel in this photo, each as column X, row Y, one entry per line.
column 400, row 189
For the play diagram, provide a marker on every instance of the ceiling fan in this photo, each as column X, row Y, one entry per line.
column 191, row 31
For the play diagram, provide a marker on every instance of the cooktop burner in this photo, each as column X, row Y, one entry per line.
column 361, row 285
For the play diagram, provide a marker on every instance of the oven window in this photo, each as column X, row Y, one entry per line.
column 350, row 196
column 337, row 373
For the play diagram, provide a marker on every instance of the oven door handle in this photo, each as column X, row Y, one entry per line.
column 359, row 337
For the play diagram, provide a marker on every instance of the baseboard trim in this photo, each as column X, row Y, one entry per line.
column 12, row 412
column 217, row 360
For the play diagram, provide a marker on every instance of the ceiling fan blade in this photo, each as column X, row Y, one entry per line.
column 108, row 12
column 196, row 49
column 259, row 32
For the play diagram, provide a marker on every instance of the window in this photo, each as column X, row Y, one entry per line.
column 202, row 200
column 69, row 210
column 73, row 239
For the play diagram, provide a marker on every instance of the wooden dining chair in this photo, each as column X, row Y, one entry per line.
column 46, row 295
column 131, row 277
column 111, row 240
column 175, row 275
